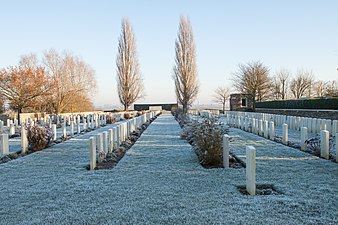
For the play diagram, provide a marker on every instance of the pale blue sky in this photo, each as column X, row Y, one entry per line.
column 291, row 34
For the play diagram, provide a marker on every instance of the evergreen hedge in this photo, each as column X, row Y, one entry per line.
column 316, row 103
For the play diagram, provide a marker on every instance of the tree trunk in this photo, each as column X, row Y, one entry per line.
column 223, row 107
column 18, row 116
column 254, row 104
column 185, row 109
column 125, row 107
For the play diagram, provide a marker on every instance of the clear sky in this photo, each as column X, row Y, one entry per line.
column 286, row 33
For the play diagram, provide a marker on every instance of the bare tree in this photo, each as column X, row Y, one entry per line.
column 129, row 81
column 253, row 79
column 300, row 86
column 185, row 69
column 332, row 88
column 280, row 84
column 72, row 77
column 319, row 87
column 29, row 60
column 221, row 95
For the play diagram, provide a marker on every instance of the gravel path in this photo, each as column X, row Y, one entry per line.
column 160, row 181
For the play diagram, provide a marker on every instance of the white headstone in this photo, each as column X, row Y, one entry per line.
column 266, row 129
column 260, row 127
column 72, row 128
column 11, row 129
column 84, row 124
column 272, row 131
column 226, row 151
column 303, row 137
column 105, row 142
column 64, row 130
column 337, row 147
column 4, row 145
column 285, row 138
column 24, row 141
column 110, row 140
column 324, row 144
column 54, row 131
column 1, row 126
column 251, row 170
column 92, row 153
column 115, row 138
column 100, row 147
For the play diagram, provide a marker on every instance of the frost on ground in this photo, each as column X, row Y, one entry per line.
column 159, row 181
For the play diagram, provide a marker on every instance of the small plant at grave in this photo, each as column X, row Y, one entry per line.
column 126, row 116
column 38, row 137
column 207, row 136
column 110, row 120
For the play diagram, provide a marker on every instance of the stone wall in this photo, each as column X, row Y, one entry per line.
column 323, row 114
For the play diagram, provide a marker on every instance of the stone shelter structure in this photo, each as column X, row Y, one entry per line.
column 240, row 102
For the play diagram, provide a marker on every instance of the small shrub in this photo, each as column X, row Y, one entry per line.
column 110, row 120
column 208, row 139
column 38, row 137
column 126, row 116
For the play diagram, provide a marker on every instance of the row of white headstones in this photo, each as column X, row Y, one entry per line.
column 263, row 124
column 91, row 121
column 107, row 141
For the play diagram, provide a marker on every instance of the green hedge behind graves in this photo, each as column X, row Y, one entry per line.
column 316, row 103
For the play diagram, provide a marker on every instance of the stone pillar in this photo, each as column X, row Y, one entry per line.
column 272, row 131
column 324, row 144
column 266, row 129
column 285, row 139
column 54, row 131
column 4, row 145
column 251, row 170
column 92, row 153
column 226, row 151
column 24, row 141
column 303, row 137
column 110, row 140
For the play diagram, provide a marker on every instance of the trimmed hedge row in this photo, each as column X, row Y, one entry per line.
column 317, row 103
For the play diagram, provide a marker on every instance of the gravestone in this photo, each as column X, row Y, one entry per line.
column 251, row 170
